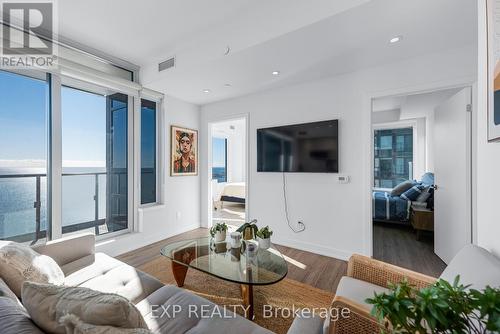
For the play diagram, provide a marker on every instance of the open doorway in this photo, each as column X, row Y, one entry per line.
column 228, row 172
column 421, row 202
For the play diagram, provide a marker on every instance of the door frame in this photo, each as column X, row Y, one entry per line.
column 368, row 98
column 210, row 123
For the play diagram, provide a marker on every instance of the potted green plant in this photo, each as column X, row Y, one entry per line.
column 439, row 308
column 248, row 230
column 218, row 232
column 264, row 237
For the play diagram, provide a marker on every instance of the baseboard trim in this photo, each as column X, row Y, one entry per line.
column 313, row 248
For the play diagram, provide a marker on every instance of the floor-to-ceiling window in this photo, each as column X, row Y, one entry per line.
column 23, row 156
column 92, row 169
column 393, row 156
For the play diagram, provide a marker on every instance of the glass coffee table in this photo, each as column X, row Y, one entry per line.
column 237, row 265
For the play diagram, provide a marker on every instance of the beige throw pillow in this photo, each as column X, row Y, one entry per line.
column 74, row 325
column 19, row 263
column 5, row 291
column 47, row 303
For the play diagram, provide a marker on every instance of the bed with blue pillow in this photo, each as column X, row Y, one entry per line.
column 395, row 206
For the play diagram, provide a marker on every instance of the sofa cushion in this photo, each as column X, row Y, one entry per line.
column 47, row 303
column 5, row 291
column 68, row 249
column 14, row 319
column 191, row 317
column 309, row 325
column 476, row 266
column 20, row 263
column 103, row 273
column 74, row 325
column 358, row 290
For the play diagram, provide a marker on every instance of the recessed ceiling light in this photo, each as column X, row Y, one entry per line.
column 276, row 72
column 206, row 91
column 395, row 39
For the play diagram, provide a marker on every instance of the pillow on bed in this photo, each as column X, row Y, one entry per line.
column 413, row 193
column 402, row 187
column 424, row 196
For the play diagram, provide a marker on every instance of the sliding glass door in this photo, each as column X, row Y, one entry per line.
column 94, row 159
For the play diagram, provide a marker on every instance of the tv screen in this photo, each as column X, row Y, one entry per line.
column 306, row 148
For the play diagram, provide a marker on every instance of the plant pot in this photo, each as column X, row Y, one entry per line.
column 264, row 243
column 220, row 236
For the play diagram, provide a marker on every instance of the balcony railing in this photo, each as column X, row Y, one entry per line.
column 37, row 204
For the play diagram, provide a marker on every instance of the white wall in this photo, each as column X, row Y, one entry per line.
column 180, row 211
column 337, row 216
column 487, row 157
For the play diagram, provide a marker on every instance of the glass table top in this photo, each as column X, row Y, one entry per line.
column 239, row 265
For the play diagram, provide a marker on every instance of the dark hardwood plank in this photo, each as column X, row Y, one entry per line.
column 398, row 245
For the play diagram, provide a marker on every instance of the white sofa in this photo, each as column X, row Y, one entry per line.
column 83, row 267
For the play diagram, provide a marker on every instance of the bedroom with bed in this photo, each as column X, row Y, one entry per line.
column 414, row 221
column 228, row 183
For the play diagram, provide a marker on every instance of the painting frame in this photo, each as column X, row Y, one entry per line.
column 176, row 163
column 493, row 64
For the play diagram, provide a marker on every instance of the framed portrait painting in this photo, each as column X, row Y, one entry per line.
column 493, row 19
column 184, row 151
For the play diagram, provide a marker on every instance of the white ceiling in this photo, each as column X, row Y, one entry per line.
column 304, row 40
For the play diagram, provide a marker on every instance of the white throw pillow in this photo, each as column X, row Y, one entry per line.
column 47, row 303
column 20, row 263
column 74, row 325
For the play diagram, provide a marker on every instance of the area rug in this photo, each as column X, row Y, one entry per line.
column 282, row 296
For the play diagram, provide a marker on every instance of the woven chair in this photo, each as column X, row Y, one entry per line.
column 475, row 265
column 365, row 275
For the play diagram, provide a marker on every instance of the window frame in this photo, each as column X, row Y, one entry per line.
column 394, row 126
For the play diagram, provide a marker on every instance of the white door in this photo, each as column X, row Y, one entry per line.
column 452, row 162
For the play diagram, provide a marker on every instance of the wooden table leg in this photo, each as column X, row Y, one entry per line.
column 247, row 294
column 179, row 271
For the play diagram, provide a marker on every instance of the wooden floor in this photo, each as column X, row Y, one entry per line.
column 319, row 271
column 397, row 245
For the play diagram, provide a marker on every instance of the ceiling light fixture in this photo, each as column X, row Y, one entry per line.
column 276, row 72
column 206, row 91
column 395, row 39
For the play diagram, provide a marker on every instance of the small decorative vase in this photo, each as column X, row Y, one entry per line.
column 264, row 243
column 248, row 233
column 235, row 238
column 220, row 236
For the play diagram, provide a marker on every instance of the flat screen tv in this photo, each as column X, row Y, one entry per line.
column 299, row 148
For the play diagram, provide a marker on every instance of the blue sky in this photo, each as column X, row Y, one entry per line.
column 23, row 104
column 218, row 152
column 22, row 117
